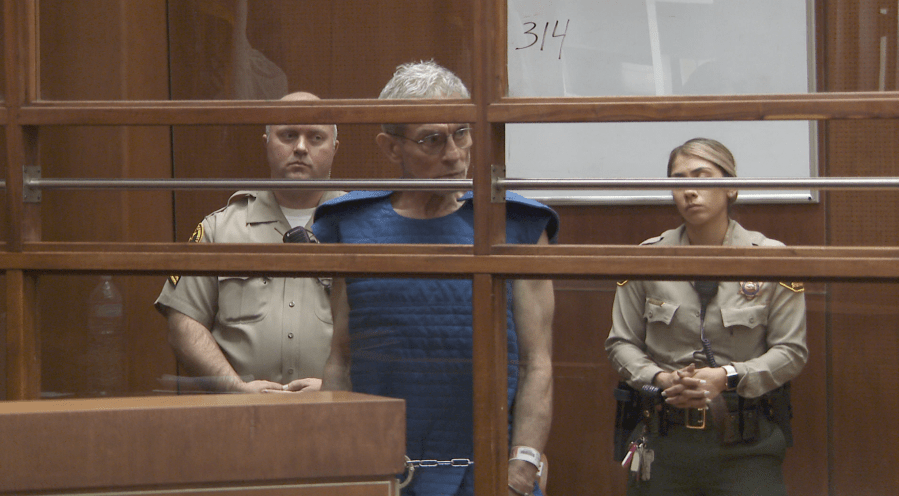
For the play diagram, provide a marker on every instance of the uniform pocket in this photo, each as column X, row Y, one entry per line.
column 659, row 311
column 748, row 317
column 243, row 299
column 322, row 301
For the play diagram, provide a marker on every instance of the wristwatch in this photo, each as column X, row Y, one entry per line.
column 732, row 377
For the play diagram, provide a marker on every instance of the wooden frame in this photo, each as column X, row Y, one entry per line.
column 199, row 444
column 488, row 262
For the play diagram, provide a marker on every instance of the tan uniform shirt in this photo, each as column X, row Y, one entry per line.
column 759, row 327
column 276, row 329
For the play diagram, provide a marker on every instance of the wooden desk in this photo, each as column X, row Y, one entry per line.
column 334, row 443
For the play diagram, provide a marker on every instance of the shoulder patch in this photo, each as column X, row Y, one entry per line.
column 622, row 283
column 652, row 241
column 197, row 235
column 796, row 287
column 194, row 238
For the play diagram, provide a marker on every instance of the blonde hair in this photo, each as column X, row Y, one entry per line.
column 706, row 149
column 711, row 151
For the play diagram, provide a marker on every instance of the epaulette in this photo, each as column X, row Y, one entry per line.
column 652, row 241
column 796, row 287
column 238, row 196
column 621, row 283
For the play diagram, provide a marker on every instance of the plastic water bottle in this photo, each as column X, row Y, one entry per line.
column 106, row 340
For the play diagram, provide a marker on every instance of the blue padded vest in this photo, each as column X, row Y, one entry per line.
column 412, row 338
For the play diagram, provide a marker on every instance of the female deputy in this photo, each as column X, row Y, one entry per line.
column 721, row 354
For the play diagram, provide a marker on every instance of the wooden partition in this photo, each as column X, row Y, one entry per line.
column 338, row 443
column 125, row 89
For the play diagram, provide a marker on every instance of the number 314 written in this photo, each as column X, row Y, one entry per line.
column 532, row 30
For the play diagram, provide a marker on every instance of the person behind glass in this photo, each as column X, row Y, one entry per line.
column 412, row 338
column 259, row 334
column 721, row 355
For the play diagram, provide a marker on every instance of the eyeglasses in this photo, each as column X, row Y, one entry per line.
column 433, row 144
column 300, row 234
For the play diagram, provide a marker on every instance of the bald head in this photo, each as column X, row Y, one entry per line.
column 297, row 96
column 300, row 151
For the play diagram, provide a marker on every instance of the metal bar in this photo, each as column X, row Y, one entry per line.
column 190, row 113
column 830, row 183
column 267, row 184
column 822, row 183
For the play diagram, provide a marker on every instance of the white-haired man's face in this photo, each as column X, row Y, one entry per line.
column 432, row 151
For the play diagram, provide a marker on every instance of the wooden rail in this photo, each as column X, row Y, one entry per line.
column 344, row 443
column 558, row 262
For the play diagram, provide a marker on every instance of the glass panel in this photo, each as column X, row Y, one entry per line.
column 147, row 152
column 103, row 50
column 785, row 149
column 235, row 49
column 205, row 49
column 240, row 152
column 4, row 214
column 105, row 152
column 850, row 333
column 855, row 149
column 659, row 47
column 849, row 328
column 102, row 337
column 2, row 52
column 339, row 49
column 847, row 218
column 3, row 344
column 861, row 46
column 720, row 47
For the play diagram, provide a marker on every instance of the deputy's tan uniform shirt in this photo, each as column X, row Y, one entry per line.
column 276, row 329
column 759, row 327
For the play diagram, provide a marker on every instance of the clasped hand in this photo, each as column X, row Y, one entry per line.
column 298, row 385
column 690, row 387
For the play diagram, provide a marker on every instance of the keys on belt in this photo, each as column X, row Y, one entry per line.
column 638, row 460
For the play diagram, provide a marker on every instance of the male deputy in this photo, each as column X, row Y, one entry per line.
column 255, row 334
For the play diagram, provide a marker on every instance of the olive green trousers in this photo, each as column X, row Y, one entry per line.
column 693, row 462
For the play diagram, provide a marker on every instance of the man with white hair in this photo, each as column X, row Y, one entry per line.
column 412, row 338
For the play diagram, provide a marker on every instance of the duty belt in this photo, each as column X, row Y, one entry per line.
column 691, row 418
column 738, row 424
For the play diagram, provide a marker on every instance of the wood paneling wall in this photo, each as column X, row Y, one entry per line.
column 107, row 50
column 137, row 49
column 862, row 54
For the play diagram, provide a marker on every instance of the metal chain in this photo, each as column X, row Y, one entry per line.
column 411, row 465
column 455, row 462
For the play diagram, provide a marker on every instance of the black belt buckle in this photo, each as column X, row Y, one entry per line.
column 694, row 418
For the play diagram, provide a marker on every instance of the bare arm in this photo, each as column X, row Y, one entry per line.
column 201, row 356
column 533, row 313
column 337, row 368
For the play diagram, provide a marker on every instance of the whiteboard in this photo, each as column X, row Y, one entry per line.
column 585, row 48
